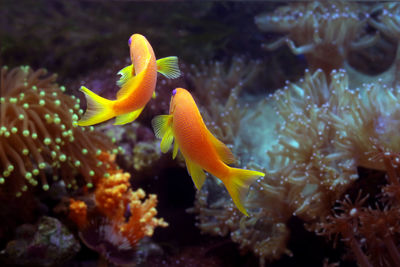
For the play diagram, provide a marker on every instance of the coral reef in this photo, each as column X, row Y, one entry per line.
column 137, row 143
column 78, row 212
column 326, row 131
column 47, row 243
column 325, row 31
column 120, row 218
column 38, row 137
column 145, row 154
column 370, row 230
column 363, row 39
column 385, row 18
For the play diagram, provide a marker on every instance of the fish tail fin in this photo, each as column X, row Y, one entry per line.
column 98, row 109
column 238, row 184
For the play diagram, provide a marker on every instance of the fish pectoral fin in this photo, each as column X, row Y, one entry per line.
column 196, row 172
column 128, row 117
column 168, row 67
column 223, row 151
column 154, row 95
column 162, row 126
column 130, row 83
column 166, row 141
column 126, row 73
column 175, row 151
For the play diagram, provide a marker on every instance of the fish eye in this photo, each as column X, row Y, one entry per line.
column 129, row 41
column 174, row 92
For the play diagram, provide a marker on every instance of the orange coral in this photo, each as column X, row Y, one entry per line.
column 78, row 212
column 120, row 218
column 115, row 198
column 110, row 194
column 141, row 222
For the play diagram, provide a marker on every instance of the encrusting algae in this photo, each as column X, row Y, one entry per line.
column 38, row 137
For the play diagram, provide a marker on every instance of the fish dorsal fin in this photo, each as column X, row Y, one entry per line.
column 126, row 73
column 128, row 117
column 196, row 172
column 162, row 126
column 223, row 151
column 168, row 67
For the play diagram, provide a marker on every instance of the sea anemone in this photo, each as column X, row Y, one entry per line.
column 325, row 31
column 38, row 136
column 325, row 131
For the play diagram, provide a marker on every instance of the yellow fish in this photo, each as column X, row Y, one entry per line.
column 137, row 83
column 202, row 151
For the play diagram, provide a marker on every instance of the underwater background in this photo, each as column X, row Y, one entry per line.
column 306, row 92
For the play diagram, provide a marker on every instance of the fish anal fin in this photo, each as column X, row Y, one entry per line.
column 128, row 117
column 196, row 172
column 223, row 151
column 168, row 67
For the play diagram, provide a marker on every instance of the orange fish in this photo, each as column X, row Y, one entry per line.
column 202, row 151
column 137, row 83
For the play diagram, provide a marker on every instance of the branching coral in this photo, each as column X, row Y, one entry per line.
column 121, row 217
column 325, row 31
column 114, row 198
column 37, row 135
